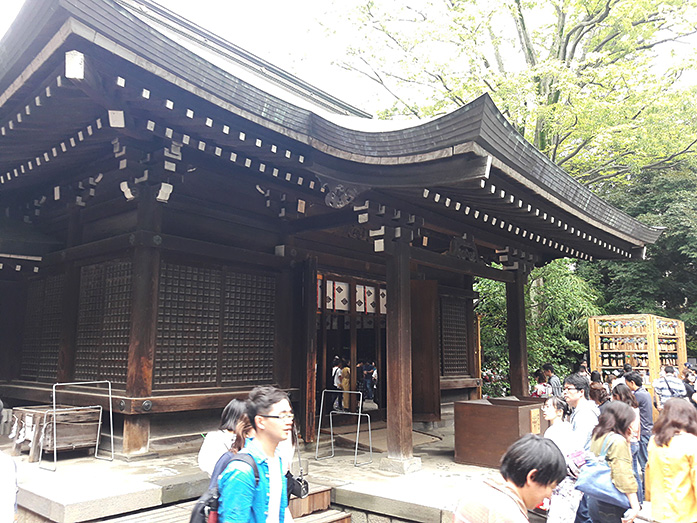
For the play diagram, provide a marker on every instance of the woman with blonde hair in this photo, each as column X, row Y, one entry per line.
column 671, row 472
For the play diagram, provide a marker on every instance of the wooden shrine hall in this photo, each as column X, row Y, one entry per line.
column 186, row 221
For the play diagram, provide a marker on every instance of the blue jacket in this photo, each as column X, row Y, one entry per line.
column 241, row 501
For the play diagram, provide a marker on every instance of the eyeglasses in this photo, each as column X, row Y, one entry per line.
column 283, row 415
column 569, row 389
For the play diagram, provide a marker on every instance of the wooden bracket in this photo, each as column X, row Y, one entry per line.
column 388, row 225
column 514, row 259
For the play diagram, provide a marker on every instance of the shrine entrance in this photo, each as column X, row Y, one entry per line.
column 351, row 324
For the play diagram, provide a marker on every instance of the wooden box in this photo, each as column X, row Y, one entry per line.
column 74, row 429
column 485, row 428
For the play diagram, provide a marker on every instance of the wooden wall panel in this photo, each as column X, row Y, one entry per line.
column 424, row 351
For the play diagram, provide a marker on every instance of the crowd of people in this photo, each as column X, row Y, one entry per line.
column 366, row 382
column 613, row 421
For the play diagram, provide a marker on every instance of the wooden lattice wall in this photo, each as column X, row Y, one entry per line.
column 453, row 336
column 216, row 326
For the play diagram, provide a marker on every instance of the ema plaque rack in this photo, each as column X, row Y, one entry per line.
column 645, row 341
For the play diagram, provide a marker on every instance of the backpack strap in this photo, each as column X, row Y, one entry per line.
column 249, row 460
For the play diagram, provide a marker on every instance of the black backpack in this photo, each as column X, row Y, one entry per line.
column 207, row 504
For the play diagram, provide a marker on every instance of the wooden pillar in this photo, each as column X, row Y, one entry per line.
column 309, row 349
column 398, row 378
column 70, row 303
column 141, row 348
column 516, row 332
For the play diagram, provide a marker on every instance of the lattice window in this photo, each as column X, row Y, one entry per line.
column 453, row 336
column 188, row 326
column 248, row 328
column 104, row 316
column 42, row 329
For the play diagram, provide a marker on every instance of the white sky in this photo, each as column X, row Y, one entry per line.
column 283, row 32
column 289, row 34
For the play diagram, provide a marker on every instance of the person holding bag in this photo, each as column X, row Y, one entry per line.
column 671, row 472
column 611, row 439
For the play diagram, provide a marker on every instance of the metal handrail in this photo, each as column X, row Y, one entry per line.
column 359, row 414
column 99, row 427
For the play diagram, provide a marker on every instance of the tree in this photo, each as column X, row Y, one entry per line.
column 558, row 304
column 580, row 79
column 666, row 283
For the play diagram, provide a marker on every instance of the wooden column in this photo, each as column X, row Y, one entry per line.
column 516, row 332
column 309, row 349
column 398, row 378
column 141, row 349
column 71, row 302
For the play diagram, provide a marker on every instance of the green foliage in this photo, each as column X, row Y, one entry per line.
column 558, row 304
column 595, row 85
column 666, row 283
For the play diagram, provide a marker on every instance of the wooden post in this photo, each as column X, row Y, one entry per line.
column 309, row 349
column 517, row 335
column 141, row 349
column 398, row 378
column 71, row 302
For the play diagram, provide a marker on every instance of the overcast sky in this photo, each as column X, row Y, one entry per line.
column 283, row 32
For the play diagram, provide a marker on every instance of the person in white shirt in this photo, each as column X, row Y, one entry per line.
column 565, row 498
column 217, row 443
column 8, row 486
column 583, row 420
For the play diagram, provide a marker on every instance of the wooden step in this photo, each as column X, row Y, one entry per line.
column 318, row 499
column 327, row 516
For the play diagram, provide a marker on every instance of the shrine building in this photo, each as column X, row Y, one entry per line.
column 185, row 220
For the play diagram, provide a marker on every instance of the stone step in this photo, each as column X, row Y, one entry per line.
column 318, row 499
column 327, row 516
column 178, row 513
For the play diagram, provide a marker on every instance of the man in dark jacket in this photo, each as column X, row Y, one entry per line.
column 636, row 385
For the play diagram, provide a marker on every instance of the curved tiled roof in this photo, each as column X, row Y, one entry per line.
column 243, row 84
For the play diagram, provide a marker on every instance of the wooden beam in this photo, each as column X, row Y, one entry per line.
column 320, row 222
column 450, row 263
column 516, row 333
column 398, row 379
column 167, row 401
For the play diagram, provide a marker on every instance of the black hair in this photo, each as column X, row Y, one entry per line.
column 232, row 413
column 627, row 368
column 669, row 369
column 617, row 417
column 579, row 382
column 560, row 404
column 532, row 452
column 634, row 377
column 261, row 400
column 625, row 395
column 549, row 367
column 595, row 377
column 598, row 393
column 540, row 376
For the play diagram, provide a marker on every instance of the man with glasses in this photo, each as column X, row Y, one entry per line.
column 583, row 420
column 245, row 498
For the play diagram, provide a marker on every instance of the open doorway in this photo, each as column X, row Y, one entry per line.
column 351, row 325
